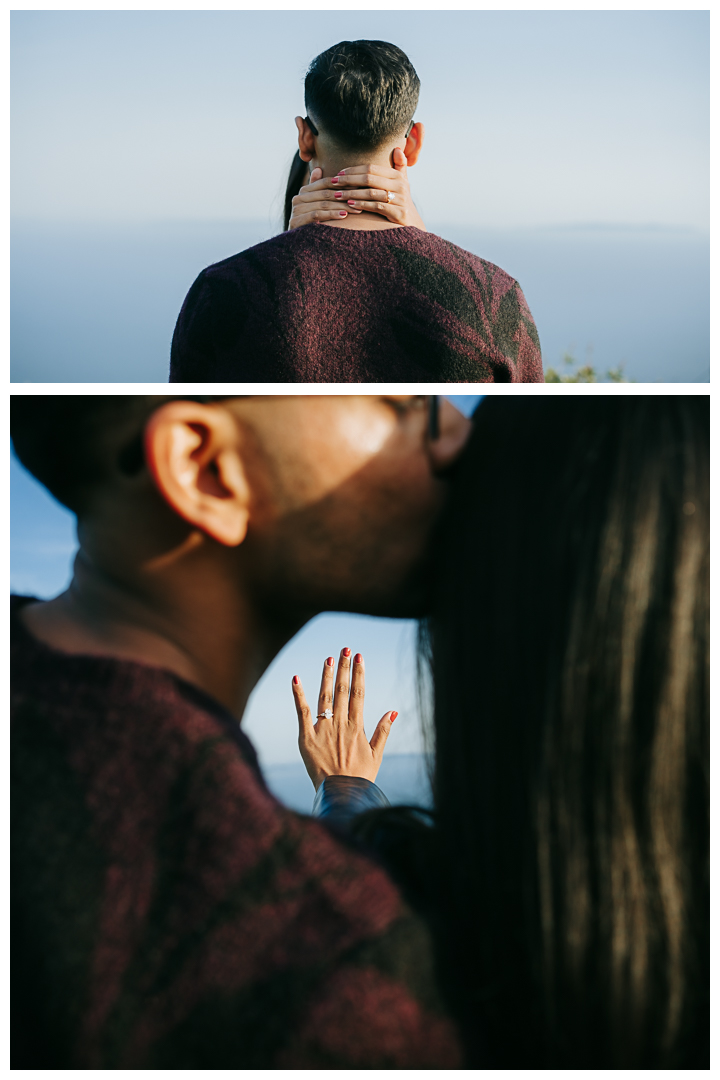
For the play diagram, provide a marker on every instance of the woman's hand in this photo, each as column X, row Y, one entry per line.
column 358, row 188
column 379, row 189
column 337, row 745
column 315, row 203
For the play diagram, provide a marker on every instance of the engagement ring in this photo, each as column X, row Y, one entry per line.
column 327, row 714
column 391, row 196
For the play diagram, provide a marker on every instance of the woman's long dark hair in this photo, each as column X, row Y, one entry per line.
column 570, row 653
column 296, row 179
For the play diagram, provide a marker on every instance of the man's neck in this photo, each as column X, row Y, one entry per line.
column 207, row 634
column 331, row 163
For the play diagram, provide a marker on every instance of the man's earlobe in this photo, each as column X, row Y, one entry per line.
column 193, row 456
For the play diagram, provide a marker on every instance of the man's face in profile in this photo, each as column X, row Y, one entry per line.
column 354, row 487
column 242, row 517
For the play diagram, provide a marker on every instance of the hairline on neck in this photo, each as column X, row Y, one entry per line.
column 346, row 156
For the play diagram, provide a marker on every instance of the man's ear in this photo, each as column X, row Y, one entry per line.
column 192, row 452
column 306, row 140
column 414, row 143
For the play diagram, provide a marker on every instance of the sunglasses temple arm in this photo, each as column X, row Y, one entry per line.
column 434, row 417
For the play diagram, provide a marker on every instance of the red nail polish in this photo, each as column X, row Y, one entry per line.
column 338, row 194
column 358, row 658
column 330, row 661
column 343, row 213
column 295, row 679
column 351, row 202
column 346, row 652
column 393, row 717
column 341, row 173
column 334, row 180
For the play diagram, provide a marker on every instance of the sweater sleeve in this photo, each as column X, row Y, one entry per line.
column 514, row 333
column 283, row 965
column 341, row 798
column 191, row 352
column 211, row 326
column 529, row 356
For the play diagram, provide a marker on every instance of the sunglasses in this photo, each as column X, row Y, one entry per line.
column 315, row 131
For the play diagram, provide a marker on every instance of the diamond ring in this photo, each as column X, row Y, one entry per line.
column 390, row 196
column 327, row 715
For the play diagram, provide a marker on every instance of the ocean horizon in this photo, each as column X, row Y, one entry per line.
column 402, row 777
column 97, row 302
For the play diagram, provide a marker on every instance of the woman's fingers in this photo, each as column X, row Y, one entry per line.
column 316, row 200
column 357, row 693
column 342, row 687
column 380, row 736
column 373, row 194
column 333, row 209
column 319, row 215
column 313, row 192
column 366, row 176
column 325, row 697
column 392, row 212
column 376, row 207
column 365, row 184
column 360, row 180
column 340, row 748
column 400, row 161
column 304, row 713
column 323, row 184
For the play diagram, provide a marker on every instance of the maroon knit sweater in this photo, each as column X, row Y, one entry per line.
column 169, row 912
column 321, row 304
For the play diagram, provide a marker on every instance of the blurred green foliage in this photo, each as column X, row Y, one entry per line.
column 585, row 374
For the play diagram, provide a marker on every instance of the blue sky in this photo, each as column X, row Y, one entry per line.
column 533, row 117
column 42, row 546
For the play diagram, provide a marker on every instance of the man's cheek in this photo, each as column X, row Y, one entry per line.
column 419, row 496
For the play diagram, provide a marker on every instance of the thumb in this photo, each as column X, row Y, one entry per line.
column 380, row 737
column 316, row 174
column 303, row 710
column 399, row 160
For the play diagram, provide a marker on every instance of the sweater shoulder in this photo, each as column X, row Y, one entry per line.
column 444, row 251
column 266, row 251
column 142, row 745
column 323, row 243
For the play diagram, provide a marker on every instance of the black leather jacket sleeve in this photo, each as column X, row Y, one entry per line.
column 340, row 798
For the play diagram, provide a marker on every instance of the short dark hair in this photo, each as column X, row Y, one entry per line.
column 72, row 442
column 363, row 93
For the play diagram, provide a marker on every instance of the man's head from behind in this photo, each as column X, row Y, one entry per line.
column 311, row 502
column 362, row 97
column 363, row 93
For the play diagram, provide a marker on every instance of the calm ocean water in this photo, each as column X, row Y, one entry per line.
column 98, row 303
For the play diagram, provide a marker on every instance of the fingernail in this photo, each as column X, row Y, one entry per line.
column 330, row 661
column 343, row 213
column 295, row 679
column 334, row 180
column 393, row 717
column 346, row 652
column 341, row 173
column 351, row 202
column 358, row 658
column 338, row 194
